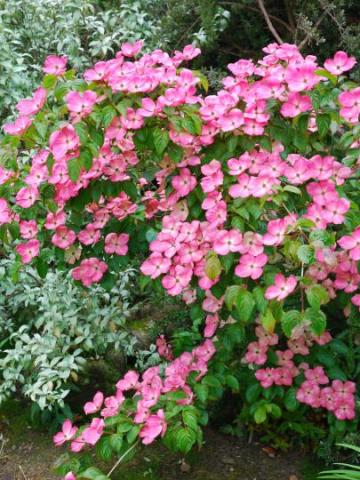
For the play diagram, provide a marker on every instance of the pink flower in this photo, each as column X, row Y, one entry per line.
column 155, row 265
column 27, row 196
column 92, row 434
column 131, row 49
column 340, row 63
column 295, row 105
column 63, row 237
column 55, row 65
column 164, row 349
column 70, row 476
column 28, row 250
column 256, row 353
column 66, row 434
column 345, row 411
column 211, row 324
column 265, row 376
column 91, row 270
column 19, row 127
column 33, row 105
column 81, row 103
column 177, row 279
column 129, row 382
column 155, row 425
column 309, row 393
column 95, row 404
column 228, row 241
column 282, row 287
column 90, row 235
column 6, row 214
column 251, row 266
column 116, row 243
column 28, row 229
column 352, row 244
column 63, row 141
column 184, row 183
column 317, row 375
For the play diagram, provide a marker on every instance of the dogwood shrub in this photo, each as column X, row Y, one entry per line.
column 245, row 203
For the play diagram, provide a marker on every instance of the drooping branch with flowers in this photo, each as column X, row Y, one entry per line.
column 245, row 203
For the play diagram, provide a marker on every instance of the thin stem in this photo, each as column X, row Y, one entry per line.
column 268, row 21
column 121, row 459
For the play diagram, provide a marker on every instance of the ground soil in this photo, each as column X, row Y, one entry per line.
column 28, row 454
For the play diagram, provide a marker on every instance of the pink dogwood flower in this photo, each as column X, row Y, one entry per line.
column 28, row 250
column 282, row 287
column 95, row 404
column 67, row 433
column 116, row 243
column 55, row 65
column 19, row 127
column 63, row 237
column 155, row 425
column 340, row 63
column 251, row 266
column 92, row 434
column 33, row 105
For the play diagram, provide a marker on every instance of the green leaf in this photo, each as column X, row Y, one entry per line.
column 317, row 319
column 201, row 392
column 93, row 473
column 49, row 81
column 116, row 442
column 232, row 382
column 290, row 400
column 74, row 168
column 306, row 254
column 161, row 140
column 231, row 294
column 317, row 296
column 324, row 73
column 213, row 266
column 124, row 427
column 133, row 433
column 260, row 415
column 268, row 321
column 185, row 439
column 245, row 304
column 290, row 320
column 190, row 419
column 252, row 392
column 103, row 448
column 323, row 122
column 211, row 381
column 86, row 159
column 82, row 131
column 108, row 114
column 323, row 236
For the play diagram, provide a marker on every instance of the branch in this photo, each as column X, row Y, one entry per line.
column 309, row 35
column 268, row 21
column 253, row 9
column 122, row 458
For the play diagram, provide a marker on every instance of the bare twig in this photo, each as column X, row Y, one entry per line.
column 254, row 9
column 268, row 21
column 121, row 459
column 23, row 473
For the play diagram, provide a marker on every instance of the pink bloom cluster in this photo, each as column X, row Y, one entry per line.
column 148, row 388
column 339, row 398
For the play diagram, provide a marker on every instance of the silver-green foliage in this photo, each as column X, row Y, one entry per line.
column 84, row 30
column 49, row 328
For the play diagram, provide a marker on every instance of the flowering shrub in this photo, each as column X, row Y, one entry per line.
column 247, row 202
